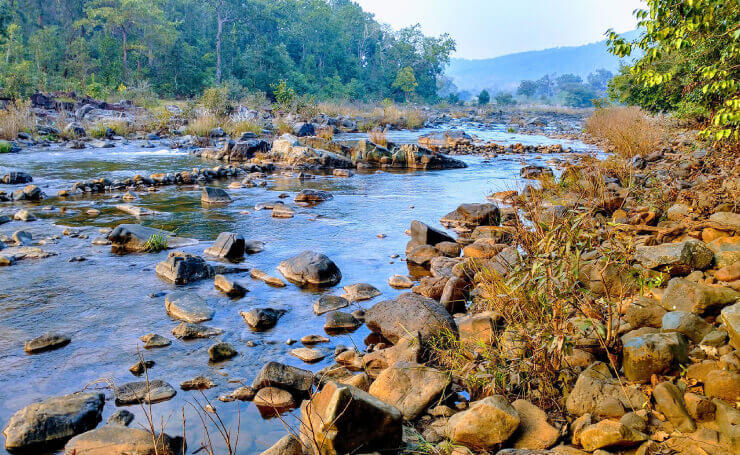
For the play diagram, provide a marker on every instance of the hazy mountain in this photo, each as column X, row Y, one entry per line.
column 505, row 72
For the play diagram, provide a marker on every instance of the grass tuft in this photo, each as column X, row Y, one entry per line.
column 156, row 243
column 629, row 130
column 16, row 117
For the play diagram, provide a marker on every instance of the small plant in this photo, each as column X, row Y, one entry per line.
column 379, row 137
column 156, row 243
column 285, row 96
column 5, row 146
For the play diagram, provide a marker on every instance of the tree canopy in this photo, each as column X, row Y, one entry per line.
column 177, row 48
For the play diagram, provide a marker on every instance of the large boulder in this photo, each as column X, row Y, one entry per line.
column 343, row 419
column 676, row 258
column 183, row 268
column 730, row 317
column 485, row 424
column 51, row 422
column 228, row 245
column 274, row 374
column 468, row 216
column 698, row 298
column 311, row 269
column 655, row 353
column 122, row 440
column 409, row 314
column 215, row 196
column 423, row 234
column 410, row 387
column 188, row 306
column 597, row 392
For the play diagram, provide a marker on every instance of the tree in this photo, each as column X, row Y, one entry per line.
column 565, row 80
column 406, row 81
column 690, row 54
column 599, row 79
column 579, row 95
column 5, row 18
column 527, row 88
column 505, row 99
column 484, row 97
column 224, row 15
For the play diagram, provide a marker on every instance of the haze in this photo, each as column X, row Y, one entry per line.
column 490, row 28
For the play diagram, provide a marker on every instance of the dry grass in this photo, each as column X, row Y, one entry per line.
column 16, row 117
column 325, row 132
column 629, row 130
column 235, row 127
column 283, row 127
column 379, row 136
column 202, row 125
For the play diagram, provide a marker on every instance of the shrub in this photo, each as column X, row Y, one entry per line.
column 5, row 146
column 216, row 101
column 202, row 125
column 484, row 98
column 16, row 117
column 236, row 126
column 379, row 137
column 141, row 94
column 627, row 129
column 156, row 243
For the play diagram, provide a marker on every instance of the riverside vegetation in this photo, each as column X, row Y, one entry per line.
column 593, row 310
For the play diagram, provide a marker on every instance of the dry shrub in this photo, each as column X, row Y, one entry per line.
column 202, row 125
column 325, row 132
column 335, row 109
column 236, row 127
column 379, row 136
column 283, row 127
column 16, row 117
column 629, row 130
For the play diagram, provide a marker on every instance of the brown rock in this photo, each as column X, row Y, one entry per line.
column 534, row 432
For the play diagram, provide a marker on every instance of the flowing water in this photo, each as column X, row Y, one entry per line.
column 107, row 302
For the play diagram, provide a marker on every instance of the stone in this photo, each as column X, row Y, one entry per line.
column 422, row 255
column 229, row 287
column 258, row 274
column 311, row 269
column 197, row 383
column 313, row 196
column 122, row 440
column 477, row 328
column 485, row 424
column 282, row 211
column 51, row 422
column 152, row 340
column 690, row 325
column 262, row 318
column 472, row 215
column 677, row 258
column 287, row 445
column 449, row 249
column 729, row 273
column 339, row 321
column 699, row 407
column 728, row 420
column 483, row 249
column 23, row 238
column 141, row 367
column 16, row 178
column 121, row 417
column 152, row 391
column 431, row 287
column 221, row 351
column 645, row 312
column 410, row 387
column 534, row 431
column 24, row 215
column 730, row 317
column 669, row 401
column 46, row 342
column 424, row 234
column 215, row 196
column 360, row 291
column 729, row 219
column 408, row 314
column 254, row 247
column 184, row 268
column 188, row 307
column 188, row 331
column 133, row 238
column 400, row 282
column 308, row 355
column 610, row 434
column 274, row 399
column 723, row 384
column 677, row 212
column 358, row 421
column 290, row 378
column 310, row 340
column 597, row 385
column 228, row 245
column 698, row 298
column 657, row 353
column 327, row 303
column 133, row 210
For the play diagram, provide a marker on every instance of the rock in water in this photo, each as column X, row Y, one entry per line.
column 287, row 445
column 46, row 342
column 188, row 307
column 229, row 287
column 53, row 421
column 313, row 196
column 215, row 196
column 361, row 291
column 485, row 424
column 183, row 268
column 468, row 216
column 410, row 387
column 359, row 421
column 187, row 331
column 144, row 392
column 121, row 440
column 228, row 245
column 295, row 380
column 408, row 314
column 221, row 351
column 328, row 303
column 311, row 269
column 424, row 234
column 258, row 274
column 262, row 318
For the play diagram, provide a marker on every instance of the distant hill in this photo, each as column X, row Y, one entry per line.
column 505, row 72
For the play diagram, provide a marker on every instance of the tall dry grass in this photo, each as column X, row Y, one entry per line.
column 628, row 129
column 16, row 117
column 202, row 125
column 379, row 136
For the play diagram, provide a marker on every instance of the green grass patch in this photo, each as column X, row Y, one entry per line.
column 156, row 243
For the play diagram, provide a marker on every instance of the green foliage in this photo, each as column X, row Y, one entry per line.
column 216, row 101
column 284, row 95
column 5, row 146
column 579, row 95
column 505, row 99
column 690, row 63
column 484, row 97
column 156, row 243
column 406, row 81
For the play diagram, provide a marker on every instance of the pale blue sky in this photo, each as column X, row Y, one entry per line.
column 489, row 28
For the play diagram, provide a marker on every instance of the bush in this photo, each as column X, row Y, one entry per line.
column 5, row 146
column 216, row 101
column 16, row 117
column 236, row 126
column 484, row 98
column 202, row 125
column 505, row 99
column 628, row 129
column 141, row 94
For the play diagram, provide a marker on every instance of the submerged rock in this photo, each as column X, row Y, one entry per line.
column 188, row 307
column 152, row 391
column 47, row 342
column 122, row 440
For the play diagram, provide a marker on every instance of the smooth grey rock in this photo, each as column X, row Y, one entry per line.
column 408, row 314
column 188, row 307
column 152, row 391
column 311, row 269
column 183, row 268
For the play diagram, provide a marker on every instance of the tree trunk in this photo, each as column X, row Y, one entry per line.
column 125, row 54
column 219, row 30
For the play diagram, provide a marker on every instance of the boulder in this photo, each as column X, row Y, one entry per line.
column 215, row 196
column 282, row 211
column 340, row 321
column 730, row 317
column 729, row 219
column 656, row 353
column 485, row 424
column 410, row 387
column 468, row 216
column 274, row 374
column 400, row 282
column 689, row 325
column 328, row 302
column 610, row 434
column 408, row 314
column 676, row 258
column 262, row 318
column 357, row 419
column 534, row 431
column 188, row 306
column 152, row 340
column 424, row 234
column 197, row 383
column 596, row 387
column 360, row 291
column 645, row 312
column 274, row 399
column 669, row 401
column 723, row 384
column 728, row 420
column 228, row 245
column 308, row 355
column 183, row 268
column 698, row 298
column 121, row 417
column 51, row 422
column 311, row 269
column 46, row 342
column 423, row 255
column 221, row 351
column 287, row 445
column 122, row 440
column 152, row 391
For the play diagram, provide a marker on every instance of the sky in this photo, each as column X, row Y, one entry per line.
column 490, row 28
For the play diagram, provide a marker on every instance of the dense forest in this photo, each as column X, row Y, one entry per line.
column 176, row 48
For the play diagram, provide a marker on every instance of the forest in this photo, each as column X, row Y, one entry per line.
column 177, row 48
